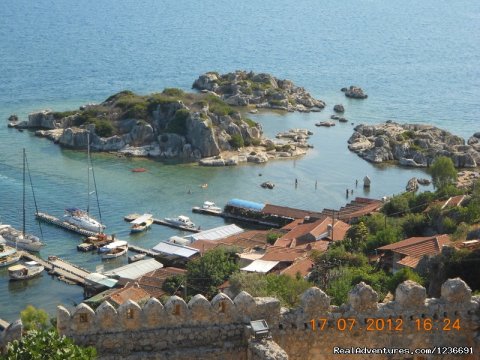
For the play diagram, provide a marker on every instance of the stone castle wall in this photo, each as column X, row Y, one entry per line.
column 219, row 329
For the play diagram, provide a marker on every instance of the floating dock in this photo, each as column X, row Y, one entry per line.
column 57, row 222
column 67, row 272
column 132, row 217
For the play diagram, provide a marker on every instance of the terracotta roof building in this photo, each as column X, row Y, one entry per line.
column 302, row 267
column 311, row 231
column 409, row 252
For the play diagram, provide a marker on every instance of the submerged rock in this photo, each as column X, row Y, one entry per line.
column 339, row 108
column 267, row 185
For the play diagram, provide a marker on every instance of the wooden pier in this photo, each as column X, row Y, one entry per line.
column 57, row 222
column 141, row 250
column 132, row 217
column 67, row 272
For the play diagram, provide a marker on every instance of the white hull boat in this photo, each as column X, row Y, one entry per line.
column 15, row 238
column 8, row 255
column 82, row 220
column 181, row 221
column 141, row 223
column 114, row 253
column 114, row 249
column 25, row 272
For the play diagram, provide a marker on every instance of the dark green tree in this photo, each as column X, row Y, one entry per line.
column 443, row 172
column 206, row 273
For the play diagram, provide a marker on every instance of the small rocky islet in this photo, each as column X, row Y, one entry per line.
column 199, row 126
column 413, row 145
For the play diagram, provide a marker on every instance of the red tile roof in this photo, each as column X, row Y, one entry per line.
column 409, row 261
column 205, row 245
column 302, row 266
column 276, row 253
column 134, row 293
column 153, row 281
column 419, row 246
column 315, row 229
column 289, row 212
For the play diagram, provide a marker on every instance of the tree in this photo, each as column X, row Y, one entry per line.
column 443, row 172
column 356, row 237
column 34, row 319
column 285, row 288
column 205, row 274
column 47, row 345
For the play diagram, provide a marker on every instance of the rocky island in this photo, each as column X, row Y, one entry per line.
column 175, row 124
column 413, row 145
column 243, row 88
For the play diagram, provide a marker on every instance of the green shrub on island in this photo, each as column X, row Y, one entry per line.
column 236, row 141
column 250, row 122
column 103, row 128
column 174, row 92
column 178, row 124
column 218, row 106
column 57, row 115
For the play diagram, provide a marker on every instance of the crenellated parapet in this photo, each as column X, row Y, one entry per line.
column 309, row 331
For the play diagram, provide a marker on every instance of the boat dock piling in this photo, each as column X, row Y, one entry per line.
column 57, row 222
column 132, row 217
column 67, row 272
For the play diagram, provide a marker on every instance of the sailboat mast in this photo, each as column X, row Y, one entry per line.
column 23, row 227
column 88, row 170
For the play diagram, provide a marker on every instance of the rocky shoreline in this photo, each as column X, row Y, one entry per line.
column 413, row 145
column 192, row 127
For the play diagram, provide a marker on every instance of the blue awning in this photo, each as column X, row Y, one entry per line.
column 246, row 204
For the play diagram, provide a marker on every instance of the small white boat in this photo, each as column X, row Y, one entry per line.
column 141, row 223
column 182, row 221
column 208, row 207
column 8, row 255
column 24, row 272
column 114, row 249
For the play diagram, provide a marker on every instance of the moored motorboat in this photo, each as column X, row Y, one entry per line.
column 208, row 207
column 8, row 255
column 141, row 223
column 182, row 221
column 27, row 271
column 114, row 249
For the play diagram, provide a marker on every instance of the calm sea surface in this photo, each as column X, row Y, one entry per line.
column 418, row 62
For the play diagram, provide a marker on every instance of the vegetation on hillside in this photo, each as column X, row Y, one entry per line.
column 41, row 341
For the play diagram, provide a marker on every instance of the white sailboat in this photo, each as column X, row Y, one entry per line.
column 81, row 218
column 18, row 239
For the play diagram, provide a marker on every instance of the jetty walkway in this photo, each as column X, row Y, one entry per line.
column 132, row 217
column 57, row 222
column 67, row 272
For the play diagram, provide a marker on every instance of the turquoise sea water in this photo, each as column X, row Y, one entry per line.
column 418, row 62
